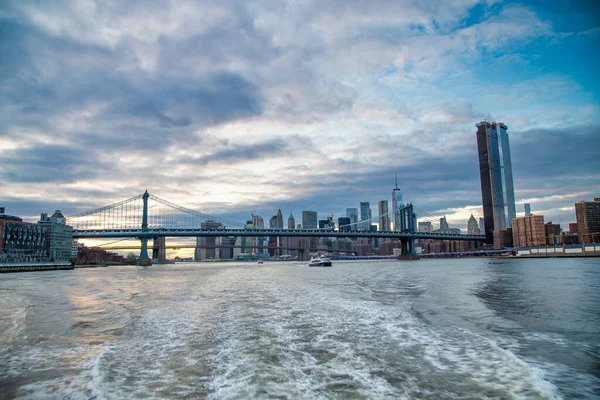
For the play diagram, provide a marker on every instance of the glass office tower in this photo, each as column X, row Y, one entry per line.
column 495, row 171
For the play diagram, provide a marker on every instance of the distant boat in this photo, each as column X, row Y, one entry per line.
column 319, row 262
column 260, row 261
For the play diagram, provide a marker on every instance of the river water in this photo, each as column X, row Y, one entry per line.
column 428, row 329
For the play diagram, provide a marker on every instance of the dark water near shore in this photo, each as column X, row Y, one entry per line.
column 429, row 329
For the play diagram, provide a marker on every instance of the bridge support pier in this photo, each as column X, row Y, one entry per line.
column 304, row 251
column 144, row 259
column 408, row 250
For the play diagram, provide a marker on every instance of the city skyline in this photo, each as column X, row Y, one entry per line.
column 226, row 109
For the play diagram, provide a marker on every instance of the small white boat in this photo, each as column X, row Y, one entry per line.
column 319, row 262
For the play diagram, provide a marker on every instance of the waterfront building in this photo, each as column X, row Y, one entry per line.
column 472, row 226
column 588, row 220
column 60, row 236
column 503, row 238
column 344, row 224
column 352, row 213
column 22, row 241
column 527, row 208
column 425, row 226
column 553, row 233
column 481, row 225
column 529, row 231
column 309, row 220
column 396, row 204
column 365, row 215
column 572, row 228
column 384, row 218
column 291, row 221
column 495, row 171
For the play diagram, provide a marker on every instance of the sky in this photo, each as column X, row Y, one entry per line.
column 227, row 107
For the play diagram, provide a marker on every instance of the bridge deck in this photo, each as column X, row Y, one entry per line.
column 154, row 233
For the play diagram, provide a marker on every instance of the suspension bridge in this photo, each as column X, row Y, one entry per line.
column 147, row 216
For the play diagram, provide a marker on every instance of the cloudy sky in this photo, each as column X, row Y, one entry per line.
column 227, row 107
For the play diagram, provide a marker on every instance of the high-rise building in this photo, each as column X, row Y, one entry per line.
column 529, row 231
column 309, row 220
column 273, row 222
column 444, row 223
column 472, row 226
column 384, row 218
column 291, row 221
column 495, row 171
column 365, row 215
column 279, row 224
column 60, row 235
column 425, row 226
column 396, row 204
column 573, row 228
column 527, row 208
column 344, row 224
column 588, row 220
column 352, row 213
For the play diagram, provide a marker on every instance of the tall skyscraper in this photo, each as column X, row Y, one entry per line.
column 279, row 223
column 527, row 208
column 396, row 204
column 352, row 213
column 291, row 221
column 588, row 220
column 495, row 171
column 309, row 220
column 365, row 215
column 384, row 218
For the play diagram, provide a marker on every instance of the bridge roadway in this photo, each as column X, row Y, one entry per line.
column 154, row 233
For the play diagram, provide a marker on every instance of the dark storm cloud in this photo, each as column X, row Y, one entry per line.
column 46, row 76
column 544, row 154
column 241, row 152
column 49, row 163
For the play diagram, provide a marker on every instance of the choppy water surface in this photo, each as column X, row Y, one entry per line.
column 429, row 329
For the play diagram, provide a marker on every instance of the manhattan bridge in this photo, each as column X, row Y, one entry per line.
column 147, row 216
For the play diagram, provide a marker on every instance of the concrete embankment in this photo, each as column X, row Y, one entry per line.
column 43, row 266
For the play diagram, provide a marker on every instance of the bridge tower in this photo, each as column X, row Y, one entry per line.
column 144, row 259
column 408, row 221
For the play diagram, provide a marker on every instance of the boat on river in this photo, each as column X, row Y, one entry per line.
column 320, row 262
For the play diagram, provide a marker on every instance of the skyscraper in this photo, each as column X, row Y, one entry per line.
column 588, row 220
column 279, row 223
column 352, row 213
column 495, row 171
column 384, row 218
column 396, row 204
column 527, row 208
column 365, row 215
column 309, row 220
column 291, row 221
column 472, row 226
